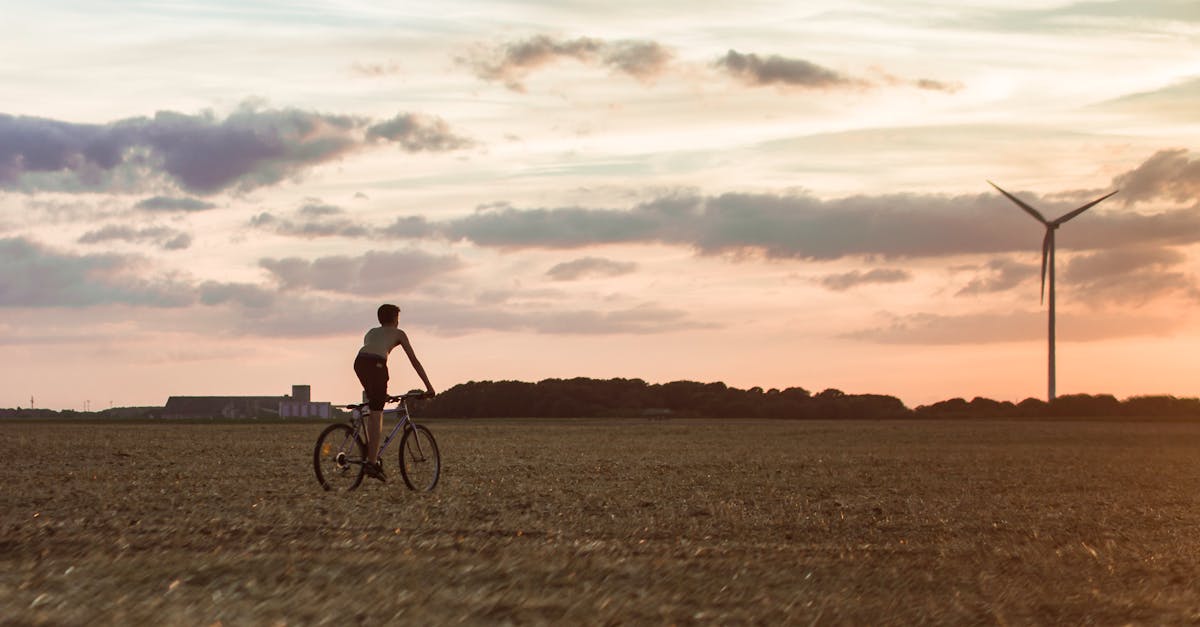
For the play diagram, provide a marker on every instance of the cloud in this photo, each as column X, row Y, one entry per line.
column 199, row 154
column 244, row 294
column 801, row 226
column 1000, row 274
column 513, row 61
column 1167, row 174
column 776, row 70
column 757, row 71
column 168, row 203
column 456, row 318
column 1176, row 102
column 312, row 220
column 590, row 267
column 32, row 275
column 1128, row 276
column 417, row 133
column 1018, row 326
column 854, row 278
column 929, row 84
column 161, row 236
column 373, row 273
column 375, row 70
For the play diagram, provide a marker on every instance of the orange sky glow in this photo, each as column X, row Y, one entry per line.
column 213, row 198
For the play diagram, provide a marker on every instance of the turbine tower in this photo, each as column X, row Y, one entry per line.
column 1048, row 259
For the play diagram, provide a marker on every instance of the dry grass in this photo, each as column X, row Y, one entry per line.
column 609, row 522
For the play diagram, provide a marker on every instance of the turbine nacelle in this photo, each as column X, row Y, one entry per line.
column 1051, row 226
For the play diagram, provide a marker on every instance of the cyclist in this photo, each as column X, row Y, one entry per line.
column 371, row 367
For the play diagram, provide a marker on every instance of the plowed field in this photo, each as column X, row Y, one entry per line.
column 598, row 522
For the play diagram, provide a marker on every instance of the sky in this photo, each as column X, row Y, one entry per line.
column 212, row 198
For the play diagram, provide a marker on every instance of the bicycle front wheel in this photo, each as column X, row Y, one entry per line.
column 420, row 462
column 338, row 457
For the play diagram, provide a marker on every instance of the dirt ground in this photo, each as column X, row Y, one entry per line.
column 606, row 522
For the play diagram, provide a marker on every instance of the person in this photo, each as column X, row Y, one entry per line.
column 371, row 367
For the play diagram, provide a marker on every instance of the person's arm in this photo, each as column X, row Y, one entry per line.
column 412, row 357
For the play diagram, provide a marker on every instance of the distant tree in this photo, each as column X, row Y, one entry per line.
column 1084, row 405
column 1032, row 408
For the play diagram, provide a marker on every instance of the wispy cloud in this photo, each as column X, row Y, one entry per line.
column 313, row 219
column 776, row 70
column 590, row 267
column 997, row 327
column 757, row 71
column 999, row 275
column 511, row 62
column 169, row 203
column 32, row 275
column 161, row 236
column 373, row 273
column 418, row 133
column 855, row 278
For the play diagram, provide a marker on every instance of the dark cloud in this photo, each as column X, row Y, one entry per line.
column 590, row 267
column 200, row 154
column 161, row 236
column 999, row 275
column 805, row 227
column 168, row 203
column 417, row 133
column 373, row 273
column 776, row 70
column 854, row 278
column 1168, row 174
column 511, row 62
column 991, row 328
column 32, row 275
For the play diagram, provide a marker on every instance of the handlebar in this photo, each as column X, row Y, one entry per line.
column 411, row 395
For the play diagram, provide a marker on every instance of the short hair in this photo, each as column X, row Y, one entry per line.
column 388, row 313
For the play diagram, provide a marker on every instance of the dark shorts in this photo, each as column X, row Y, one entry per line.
column 373, row 374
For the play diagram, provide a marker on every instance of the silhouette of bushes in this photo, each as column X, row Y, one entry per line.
column 593, row 398
column 1068, row 406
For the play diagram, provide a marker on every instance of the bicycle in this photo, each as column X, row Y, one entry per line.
column 341, row 449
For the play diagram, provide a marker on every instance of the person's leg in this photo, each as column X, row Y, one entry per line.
column 373, row 376
column 374, row 435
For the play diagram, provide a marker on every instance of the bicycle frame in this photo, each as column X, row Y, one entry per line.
column 401, row 409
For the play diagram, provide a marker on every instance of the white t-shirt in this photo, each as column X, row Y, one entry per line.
column 381, row 340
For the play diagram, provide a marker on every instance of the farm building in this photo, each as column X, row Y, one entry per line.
column 298, row 404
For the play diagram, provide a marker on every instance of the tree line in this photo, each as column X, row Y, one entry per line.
column 603, row 398
column 597, row 398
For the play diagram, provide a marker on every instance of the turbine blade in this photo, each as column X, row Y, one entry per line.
column 1030, row 210
column 1045, row 256
column 1083, row 208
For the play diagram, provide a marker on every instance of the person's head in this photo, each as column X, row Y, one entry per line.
column 389, row 315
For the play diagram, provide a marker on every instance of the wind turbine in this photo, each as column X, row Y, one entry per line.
column 1048, row 259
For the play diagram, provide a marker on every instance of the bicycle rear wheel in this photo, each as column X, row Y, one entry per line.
column 338, row 457
column 420, row 462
